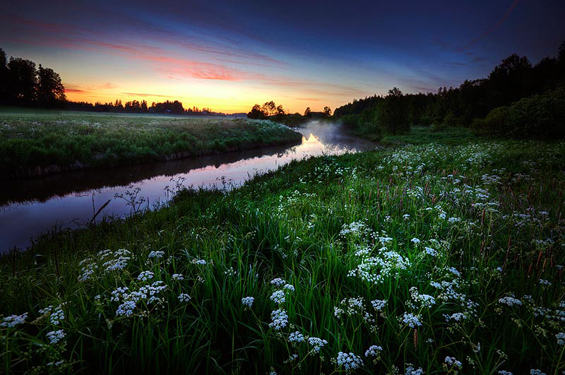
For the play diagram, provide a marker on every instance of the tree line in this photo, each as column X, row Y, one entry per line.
column 271, row 111
column 135, row 106
column 505, row 103
column 22, row 83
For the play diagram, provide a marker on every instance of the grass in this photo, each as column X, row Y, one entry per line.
column 422, row 134
column 40, row 142
column 438, row 254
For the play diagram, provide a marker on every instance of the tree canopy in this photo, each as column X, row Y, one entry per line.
column 22, row 83
column 514, row 79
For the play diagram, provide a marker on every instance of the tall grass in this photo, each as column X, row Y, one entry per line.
column 34, row 144
column 442, row 258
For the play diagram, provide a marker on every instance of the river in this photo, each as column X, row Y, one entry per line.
column 31, row 207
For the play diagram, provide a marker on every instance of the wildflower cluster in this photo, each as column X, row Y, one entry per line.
column 349, row 361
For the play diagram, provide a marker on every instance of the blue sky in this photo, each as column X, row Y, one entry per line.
column 229, row 55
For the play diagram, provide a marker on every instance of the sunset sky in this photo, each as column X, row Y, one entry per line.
column 229, row 55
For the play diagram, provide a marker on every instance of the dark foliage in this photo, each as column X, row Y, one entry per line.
column 22, row 84
column 537, row 116
column 271, row 111
column 480, row 102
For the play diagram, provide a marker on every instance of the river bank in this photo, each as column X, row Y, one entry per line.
column 29, row 207
column 449, row 254
column 34, row 145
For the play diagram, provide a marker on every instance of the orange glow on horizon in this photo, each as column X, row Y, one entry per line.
column 235, row 104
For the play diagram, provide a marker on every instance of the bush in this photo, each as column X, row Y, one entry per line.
column 538, row 116
column 496, row 122
column 450, row 120
column 478, row 126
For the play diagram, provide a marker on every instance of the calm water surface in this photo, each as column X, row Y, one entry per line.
column 70, row 200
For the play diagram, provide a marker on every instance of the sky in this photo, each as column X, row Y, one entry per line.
column 228, row 55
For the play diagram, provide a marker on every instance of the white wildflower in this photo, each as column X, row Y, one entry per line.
column 278, row 282
column 373, row 351
column 247, row 301
column 126, row 308
column 145, row 276
column 289, row 287
column 430, row 251
column 183, row 297
column 317, row 343
column 411, row 320
column 412, row 371
column 279, row 319
column 378, row 304
column 349, row 361
column 156, row 254
column 55, row 336
column 296, row 337
column 510, row 301
column 278, row 297
column 13, row 320
column 452, row 361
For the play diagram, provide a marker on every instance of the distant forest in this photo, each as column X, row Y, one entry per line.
column 22, row 84
column 516, row 100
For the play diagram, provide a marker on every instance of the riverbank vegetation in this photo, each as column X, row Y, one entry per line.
column 517, row 100
column 36, row 143
column 439, row 258
column 270, row 111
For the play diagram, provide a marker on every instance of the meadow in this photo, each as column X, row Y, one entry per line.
column 444, row 257
column 37, row 142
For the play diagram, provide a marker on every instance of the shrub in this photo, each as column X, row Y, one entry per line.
column 538, row 116
column 496, row 122
column 450, row 120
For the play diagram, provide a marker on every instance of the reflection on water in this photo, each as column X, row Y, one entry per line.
column 30, row 207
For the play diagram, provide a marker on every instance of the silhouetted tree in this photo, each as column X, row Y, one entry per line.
column 4, row 72
column 392, row 118
column 510, row 80
column 50, row 89
column 327, row 111
column 307, row 112
column 269, row 108
column 168, row 107
column 22, row 81
column 256, row 112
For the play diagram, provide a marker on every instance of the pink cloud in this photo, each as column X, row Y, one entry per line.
column 75, row 91
column 172, row 66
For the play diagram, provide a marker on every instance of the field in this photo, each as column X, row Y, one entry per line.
column 41, row 142
column 440, row 258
